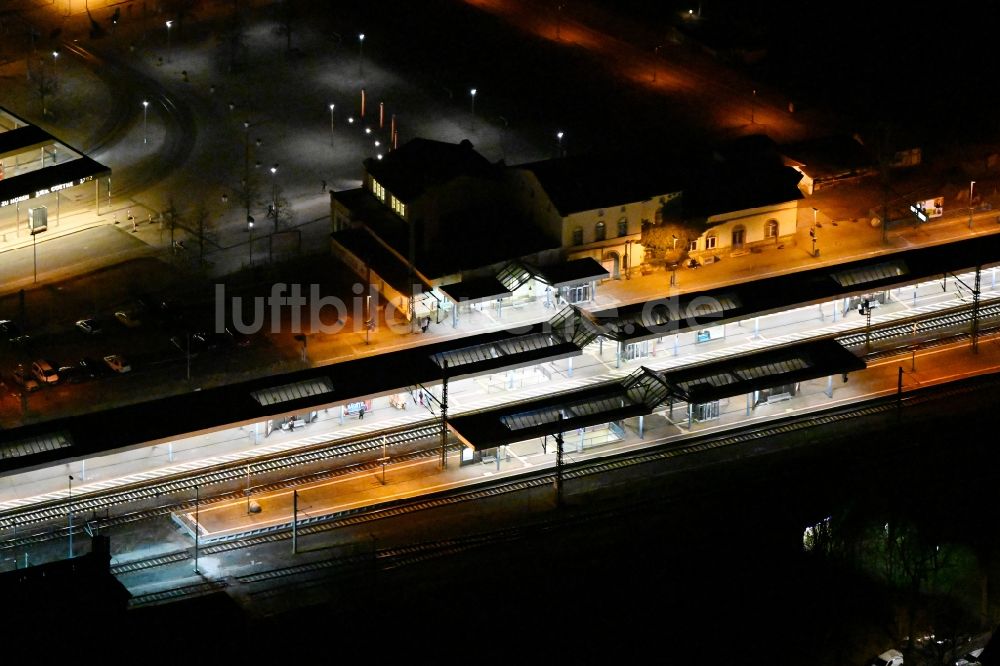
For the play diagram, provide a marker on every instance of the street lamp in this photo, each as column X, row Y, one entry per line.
column 812, row 236
column 145, row 108
column 71, row 516
column 472, row 93
column 753, row 103
column 169, row 23
column 332, row 107
column 816, row 222
column 559, row 136
column 361, row 45
column 250, row 229
column 274, row 194
column 55, row 56
column 971, row 184
column 656, row 54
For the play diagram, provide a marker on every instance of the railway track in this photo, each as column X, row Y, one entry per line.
column 411, row 554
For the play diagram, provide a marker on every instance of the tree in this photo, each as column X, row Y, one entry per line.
column 668, row 240
column 43, row 82
column 171, row 218
column 282, row 211
column 203, row 228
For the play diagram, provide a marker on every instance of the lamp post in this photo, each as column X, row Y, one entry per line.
column 656, row 55
column 816, row 222
column 753, row 103
column 169, row 23
column 472, row 94
column 274, row 194
column 71, row 516
column 971, row 184
column 812, row 236
column 361, row 46
column 250, row 230
column 332, row 107
column 145, row 109
column 559, row 8
column 55, row 56
column 559, row 136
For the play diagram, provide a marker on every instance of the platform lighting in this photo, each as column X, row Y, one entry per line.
column 145, row 108
column 472, row 94
column 361, row 46
column 169, row 23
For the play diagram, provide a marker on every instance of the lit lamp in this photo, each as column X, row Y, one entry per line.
column 145, row 108
column 361, row 45
column 169, row 23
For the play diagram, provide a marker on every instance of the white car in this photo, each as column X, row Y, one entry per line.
column 90, row 326
column 44, row 372
column 118, row 363
column 889, row 658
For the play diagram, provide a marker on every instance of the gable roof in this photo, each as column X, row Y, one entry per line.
column 589, row 182
column 419, row 164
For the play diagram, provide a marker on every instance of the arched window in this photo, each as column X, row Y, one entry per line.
column 771, row 229
column 600, row 232
column 622, row 227
column 578, row 236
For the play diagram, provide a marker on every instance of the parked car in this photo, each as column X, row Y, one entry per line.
column 44, row 372
column 24, row 378
column 94, row 368
column 888, row 658
column 74, row 374
column 89, row 325
column 970, row 658
column 117, row 363
column 11, row 332
column 128, row 318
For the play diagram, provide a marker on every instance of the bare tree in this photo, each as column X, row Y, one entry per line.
column 43, row 82
column 203, row 229
column 281, row 209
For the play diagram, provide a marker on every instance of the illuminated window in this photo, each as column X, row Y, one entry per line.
column 693, row 245
column 600, row 233
column 710, row 242
column 622, row 227
column 378, row 190
column 578, row 236
column 771, row 229
column 398, row 206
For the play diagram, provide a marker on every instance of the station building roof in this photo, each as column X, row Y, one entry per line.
column 33, row 178
column 643, row 391
column 419, row 164
column 739, row 375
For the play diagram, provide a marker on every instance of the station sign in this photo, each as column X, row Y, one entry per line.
column 44, row 191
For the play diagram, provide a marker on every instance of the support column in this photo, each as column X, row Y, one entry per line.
column 454, row 315
column 756, row 328
column 444, row 415
column 749, row 403
column 558, row 481
column 676, row 349
column 569, row 363
column 579, row 445
column 829, row 386
column 690, row 415
column 641, row 426
column 618, row 353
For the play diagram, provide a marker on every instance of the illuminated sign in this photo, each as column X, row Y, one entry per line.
column 924, row 210
column 14, row 200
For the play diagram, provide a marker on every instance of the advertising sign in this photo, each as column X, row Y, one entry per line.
column 38, row 219
column 929, row 208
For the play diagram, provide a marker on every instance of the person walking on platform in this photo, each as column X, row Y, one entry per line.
column 361, row 412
